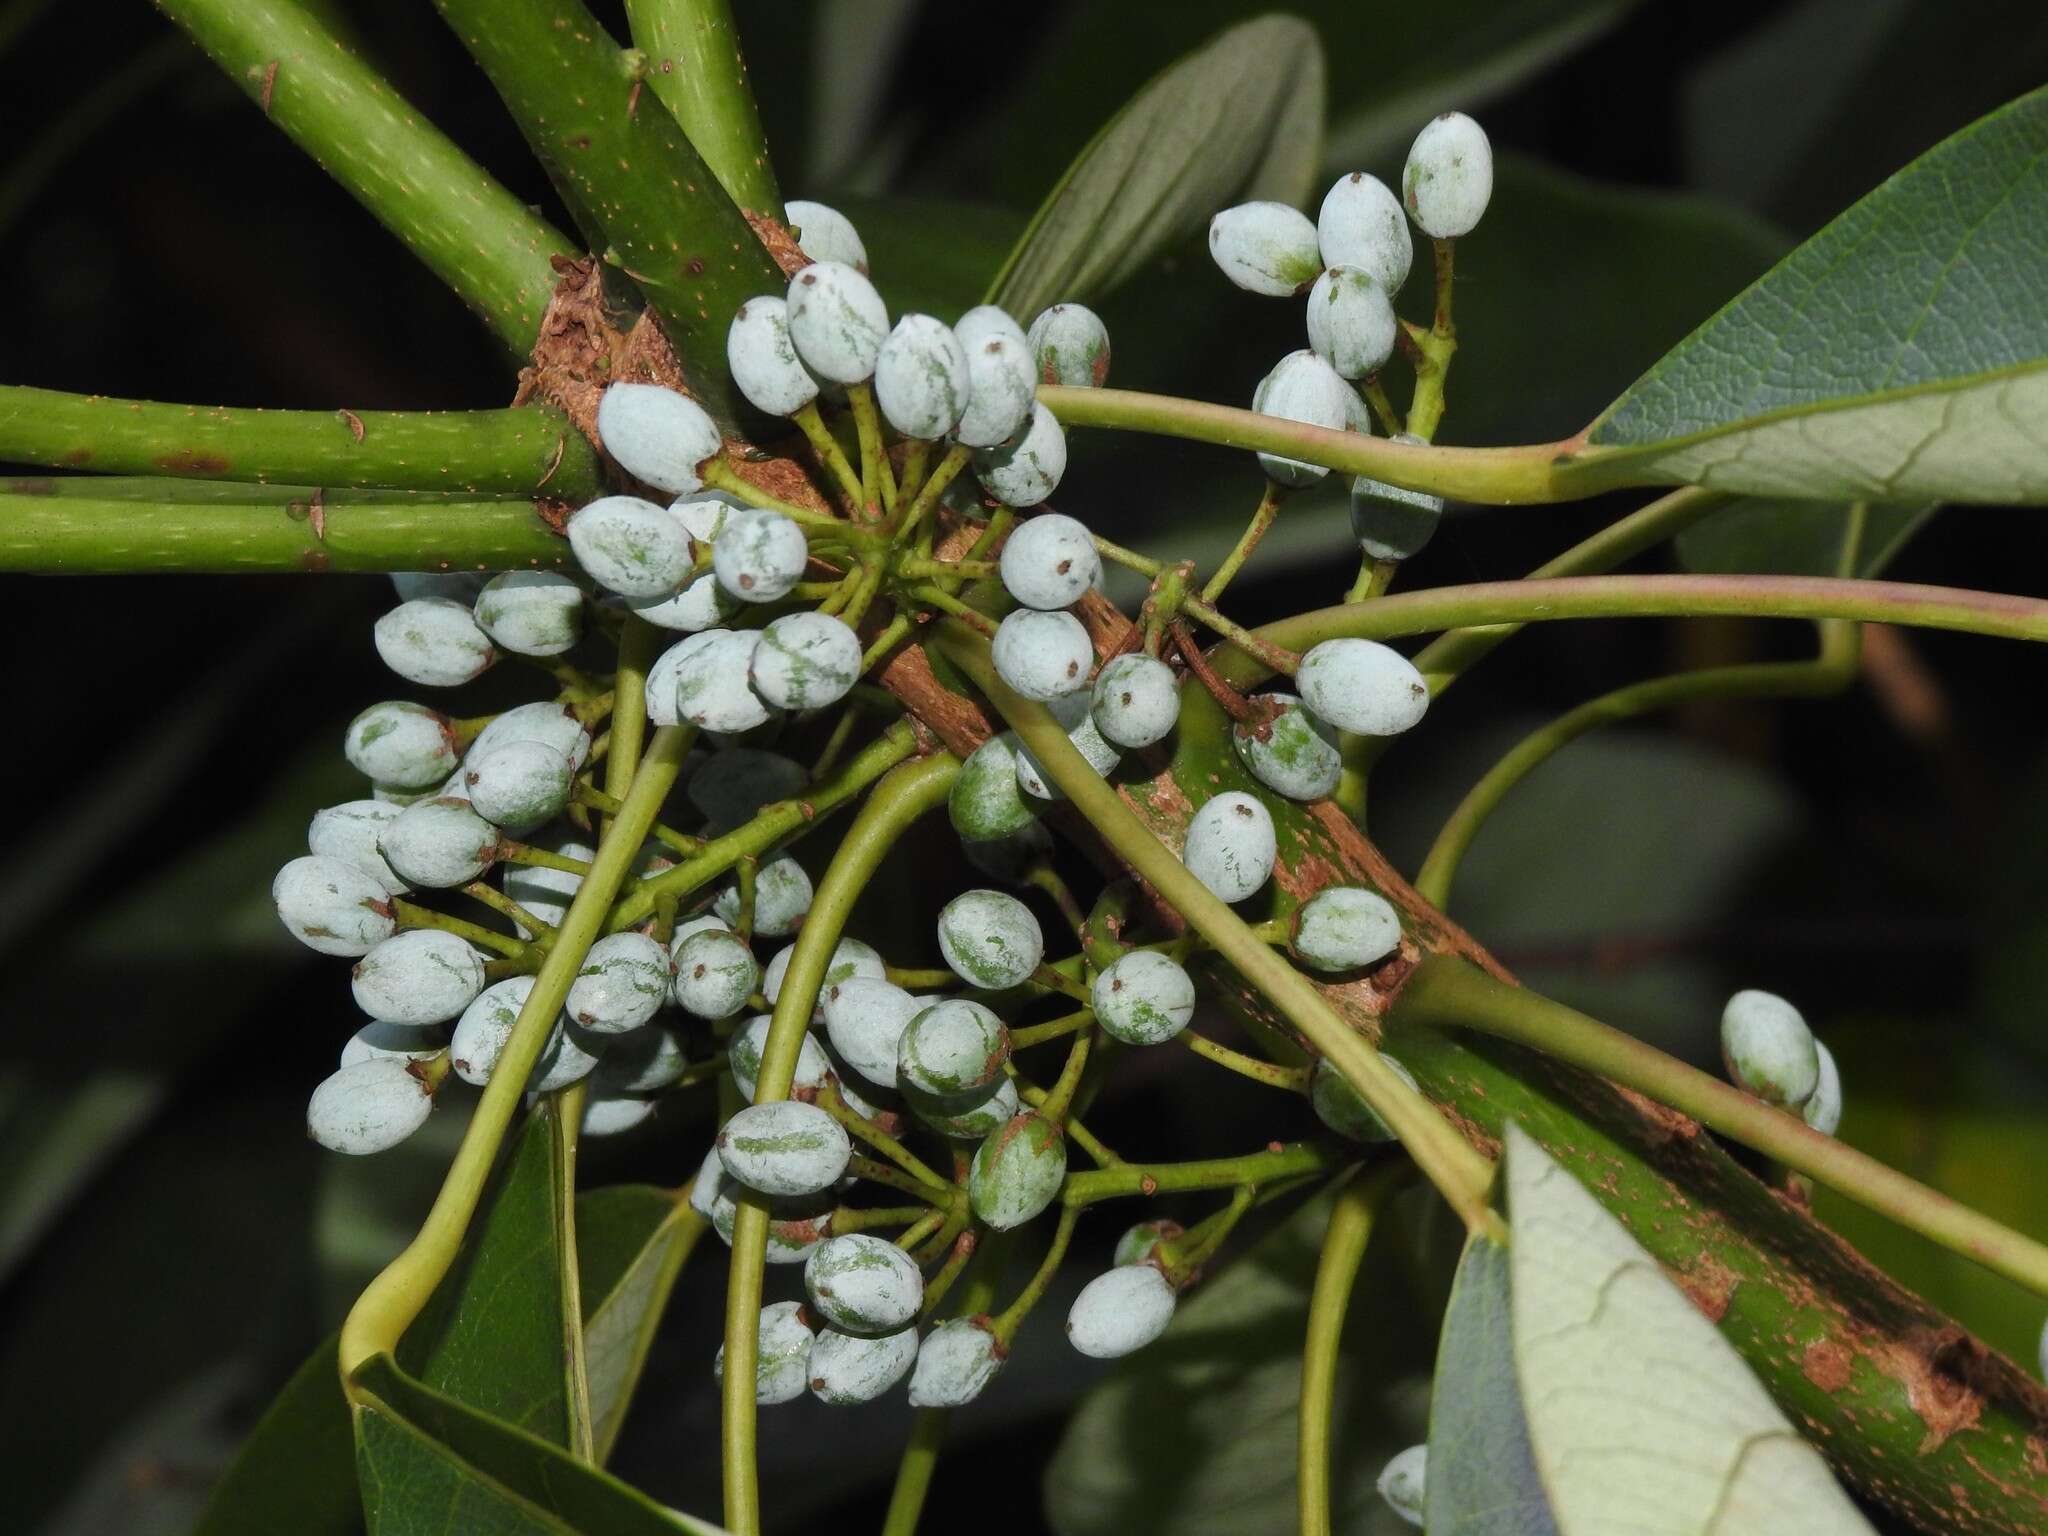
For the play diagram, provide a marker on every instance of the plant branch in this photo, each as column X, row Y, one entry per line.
column 1445, row 992
column 695, row 70
column 1253, row 1168
column 477, row 237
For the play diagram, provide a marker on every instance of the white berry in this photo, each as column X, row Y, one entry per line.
column 1768, row 1049
column 531, row 613
column 1050, row 561
column 433, row 642
column 921, row 380
column 763, row 360
column 825, row 234
column 331, row 906
column 1075, row 713
column 986, row 802
column 750, row 1041
column 837, row 321
column 782, row 1354
column 715, row 974
column 865, row 1017
column 784, row 1148
column 1823, row 1111
column 369, row 1107
column 1402, row 1483
column 1043, row 656
column 349, row 831
column 782, row 895
column 1231, row 846
column 1070, row 345
column 758, row 556
column 519, row 785
column 1266, row 248
column 990, row 939
column 401, row 745
column 420, row 977
column 1351, row 322
column 1448, row 180
column 1361, row 224
column 711, row 675
column 1026, row 472
column 1362, row 686
column 1302, row 387
column 1292, row 753
column 1342, row 1107
column 1389, row 522
column 956, row 1362
column 555, row 725
column 624, row 979
column 806, row 661
column 439, row 843
column 1345, row 926
column 1120, row 1310
column 846, row 1368
column 630, row 546
column 399, row 1042
column 1002, row 383
column 1143, row 998
column 657, row 435
column 1136, row 700
column 863, row 1284
column 953, row 1052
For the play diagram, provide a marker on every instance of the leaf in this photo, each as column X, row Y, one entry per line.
column 1482, row 1478
column 1240, row 117
column 1901, row 353
column 491, row 1336
column 1640, row 1416
column 1197, row 1434
column 296, row 1472
column 430, row 1466
column 632, row 1241
column 1796, row 538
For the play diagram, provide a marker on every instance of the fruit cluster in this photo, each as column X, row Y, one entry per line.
column 785, row 612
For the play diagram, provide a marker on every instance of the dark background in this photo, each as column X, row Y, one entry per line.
column 170, row 1245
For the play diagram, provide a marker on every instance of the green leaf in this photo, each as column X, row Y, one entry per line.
column 1482, row 1478
column 631, row 1241
column 296, row 1472
column 1239, row 118
column 1639, row 1414
column 491, row 1336
column 1197, row 1434
column 1901, row 353
column 1796, row 538
column 430, row 1466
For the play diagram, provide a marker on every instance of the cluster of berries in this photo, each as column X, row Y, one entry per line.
column 1771, row 1052
column 499, row 809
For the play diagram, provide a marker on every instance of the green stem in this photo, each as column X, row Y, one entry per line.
column 1254, row 531
column 517, row 451
column 895, row 1178
column 769, row 827
column 665, row 221
column 695, row 69
column 877, row 478
column 956, row 459
column 477, row 237
column 387, row 1308
column 1352, row 1217
column 1252, row 1168
column 828, row 451
column 1446, row 992
column 1436, row 348
column 914, row 1471
column 1005, row 1325
column 1538, row 472
column 565, row 1126
column 896, row 804
column 1828, row 673
column 412, row 915
column 834, row 1104
column 1292, row 1079
column 1460, row 1172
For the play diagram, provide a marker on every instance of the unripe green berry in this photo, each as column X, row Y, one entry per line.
column 825, row 234
column 847, row 1369
column 1043, row 656
column 837, row 321
column 1448, row 180
column 762, row 359
column 715, row 974
column 519, row 785
column 782, row 1360
column 1143, row 998
column 921, row 378
column 806, row 661
column 1403, row 1483
column 624, row 980
column 367, row 1108
column 977, row 1122
column 420, row 977
column 1049, row 561
column 1345, row 926
column 1136, row 700
column 1342, row 1107
column 784, row 1148
column 1265, row 247
column 331, row 906
column 403, row 745
column 782, row 898
column 1362, row 686
column 712, row 690
column 986, row 801
column 1070, row 345
column 1026, row 472
column 953, row 1052
column 955, row 1364
column 434, row 642
column 1002, row 383
column 657, row 435
column 990, row 939
column 863, row 1284
column 1768, row 1049
column 1017, row 1171
column 1291, row 752
column 865, row 1017
column 439, row 843
column 1302, row 387
column 1823, row 1111
column 629, row 546
column 758, row 555
column 1361, row 224
column 1351, row 322
column 1231, row 846
column 1391, row 523
column 1139, row 1243
column 1120, row 1311
column 531, row 613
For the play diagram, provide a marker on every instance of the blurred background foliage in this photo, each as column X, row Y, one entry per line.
column 171, row 1246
